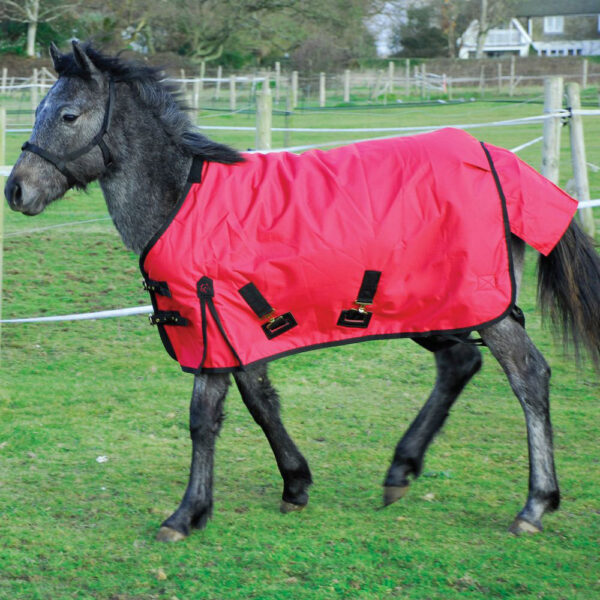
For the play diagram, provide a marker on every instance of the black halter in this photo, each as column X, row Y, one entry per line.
column 61, row 162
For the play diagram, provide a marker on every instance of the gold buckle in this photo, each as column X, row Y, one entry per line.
column 362, row 307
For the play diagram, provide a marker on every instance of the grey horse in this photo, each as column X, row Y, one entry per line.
column 111, row 120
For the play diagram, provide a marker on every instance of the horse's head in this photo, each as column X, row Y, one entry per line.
column 67, row 147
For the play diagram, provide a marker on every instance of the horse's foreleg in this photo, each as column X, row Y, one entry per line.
column 529, row 377
column 262, row 401
column 455, row 367
column 206, row 416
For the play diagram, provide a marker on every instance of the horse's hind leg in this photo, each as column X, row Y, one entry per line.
column 262, row 401
column 206, row 416
column 529, row 377
column 455, row 367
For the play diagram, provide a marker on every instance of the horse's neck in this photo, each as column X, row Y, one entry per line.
column 149, row 177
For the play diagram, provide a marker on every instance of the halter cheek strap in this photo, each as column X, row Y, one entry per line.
column 60, row 162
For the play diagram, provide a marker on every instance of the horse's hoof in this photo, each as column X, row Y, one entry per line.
column 288, row 507
column 520, row 526
column 391, row 493
column 166, row 534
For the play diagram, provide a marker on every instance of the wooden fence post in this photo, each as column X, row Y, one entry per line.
column 499, row 77
column 511, row 85
column 218, row 84
column 584, row 73
column 347, row 85
column 294, row 89
column 196, row 95
column 42, row 82
column 390, row 77
column 34, row 92
column 4, row 79
column 202, row 74
column 183, row 85
column 232, row 93
column 482, row 80
column 2, row 161
column 277, row 81
column 407, row 76
column 423, row 78
column 578, row 158
column 264, row 111
column 322, row 91
column 553, row 93
column 376, row 85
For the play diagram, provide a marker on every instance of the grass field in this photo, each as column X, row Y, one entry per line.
column 76, row 528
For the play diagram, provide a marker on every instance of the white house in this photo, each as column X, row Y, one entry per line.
column 549, row 28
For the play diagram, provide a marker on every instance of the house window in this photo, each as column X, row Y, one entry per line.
column 554, row 24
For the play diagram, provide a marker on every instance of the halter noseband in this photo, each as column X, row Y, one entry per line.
column 61, row 162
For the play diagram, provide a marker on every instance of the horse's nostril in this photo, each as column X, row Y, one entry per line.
column 13, row 193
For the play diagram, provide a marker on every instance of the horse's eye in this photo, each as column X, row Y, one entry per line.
column 69, row 117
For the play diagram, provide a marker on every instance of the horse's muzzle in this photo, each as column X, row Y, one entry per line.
column 16, row 195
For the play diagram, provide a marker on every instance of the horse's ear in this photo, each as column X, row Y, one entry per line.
column 83, row 60
column 55, row 55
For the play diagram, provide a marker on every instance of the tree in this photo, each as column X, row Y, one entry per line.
column 422, row 25
column 488, row 15
column 33, row 12
column 417, row 34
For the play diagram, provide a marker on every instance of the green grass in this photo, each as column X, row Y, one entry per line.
column 73, row 528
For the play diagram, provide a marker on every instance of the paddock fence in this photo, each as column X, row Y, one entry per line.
column 551, row 118
column 402, row 81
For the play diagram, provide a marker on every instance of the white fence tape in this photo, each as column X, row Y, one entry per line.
column 57, row 226
column 589, row 204
column 505, row 123
column 521, row 121
column 527, row 144
column 103, row 314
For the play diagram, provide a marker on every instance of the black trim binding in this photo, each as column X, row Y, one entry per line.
column 507, row 234
column 206, row 293
column 194, row 176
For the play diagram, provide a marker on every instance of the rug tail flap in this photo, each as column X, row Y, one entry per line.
column 539, row 212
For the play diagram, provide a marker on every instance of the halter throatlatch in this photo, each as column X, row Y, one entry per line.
column 60, row 162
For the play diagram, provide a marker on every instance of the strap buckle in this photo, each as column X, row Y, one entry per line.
column 360, row 317
column 167, row 317
column 276, row 325
column 157, row 287
column 356, row 317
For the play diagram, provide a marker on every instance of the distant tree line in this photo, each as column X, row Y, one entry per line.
column 309, row 35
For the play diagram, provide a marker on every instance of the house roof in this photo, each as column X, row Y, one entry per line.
column 535, row 8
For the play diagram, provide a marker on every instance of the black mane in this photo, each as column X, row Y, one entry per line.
column 157, row 94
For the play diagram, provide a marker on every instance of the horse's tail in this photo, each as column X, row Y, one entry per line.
column 569, row 290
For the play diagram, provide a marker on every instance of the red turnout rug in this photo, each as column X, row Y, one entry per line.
column 401, row 237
